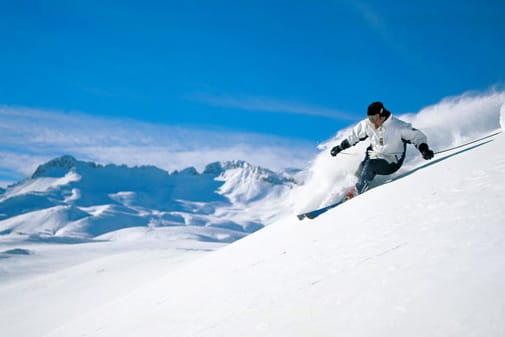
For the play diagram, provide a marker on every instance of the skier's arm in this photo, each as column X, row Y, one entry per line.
column 358, row 134
column 419, row 140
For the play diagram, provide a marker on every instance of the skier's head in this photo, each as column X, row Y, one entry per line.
column 377, row 114
column 377, row 108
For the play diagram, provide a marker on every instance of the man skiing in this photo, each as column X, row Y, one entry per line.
column 389, row 137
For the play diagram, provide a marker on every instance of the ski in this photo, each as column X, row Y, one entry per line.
column 318, row 212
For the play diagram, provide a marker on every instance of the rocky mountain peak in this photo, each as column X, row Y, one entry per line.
column 60, row 166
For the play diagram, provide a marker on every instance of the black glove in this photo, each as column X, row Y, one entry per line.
column 339, row 148
column 336, row 150
column 425, row 151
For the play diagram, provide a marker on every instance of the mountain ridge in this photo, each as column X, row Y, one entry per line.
column 144, row 196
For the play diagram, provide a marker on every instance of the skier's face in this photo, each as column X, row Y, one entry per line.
column 376, row 120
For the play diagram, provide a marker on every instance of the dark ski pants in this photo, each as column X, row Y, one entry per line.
column 369, row 168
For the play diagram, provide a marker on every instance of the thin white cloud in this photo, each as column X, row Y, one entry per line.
column 372, row 17
column 252, row 103
column 29, row 137
column 379, row 25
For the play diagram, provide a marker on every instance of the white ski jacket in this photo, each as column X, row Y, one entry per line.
column 389, row 140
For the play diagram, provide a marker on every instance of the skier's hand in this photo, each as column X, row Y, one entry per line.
column 425, row 151
column 336, row 150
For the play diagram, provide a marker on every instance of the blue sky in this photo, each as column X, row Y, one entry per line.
column 291, row 70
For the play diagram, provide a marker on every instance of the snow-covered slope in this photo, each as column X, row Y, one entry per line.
column 420, row 256
column 67, row 198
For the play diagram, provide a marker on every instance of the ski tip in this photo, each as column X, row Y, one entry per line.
column 306, row 216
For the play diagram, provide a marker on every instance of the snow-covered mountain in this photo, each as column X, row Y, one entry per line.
column 71, row 199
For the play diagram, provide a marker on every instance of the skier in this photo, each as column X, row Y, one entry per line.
column 389, row 137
